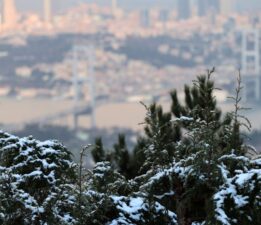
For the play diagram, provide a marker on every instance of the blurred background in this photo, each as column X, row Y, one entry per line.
column 76, row 69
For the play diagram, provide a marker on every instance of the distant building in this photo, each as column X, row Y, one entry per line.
column 202, row 7
column 9, row 14
column 114, row 6
column 208, row 7
column 227, row 7
column 47, row 11
column 214, row 6
column 183, row 9
column 145, row 18
column 163, row 15
column 229, row 25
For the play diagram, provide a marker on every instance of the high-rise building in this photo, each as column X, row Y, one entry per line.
column 9, row 14
column 145, row 18
column 47, row 11
column 214, row 5
column 208, row 6
column 202, row 7
column 114, row 6
column 183, row 9
column 226, row 7
column 163, row 15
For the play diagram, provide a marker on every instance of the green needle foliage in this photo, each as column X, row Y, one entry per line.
column 192, row 161
column 188, row 168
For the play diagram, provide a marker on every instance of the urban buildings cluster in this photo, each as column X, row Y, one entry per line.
column 92, row 15
column 137, row 53
column 11, row 19
column 205, row 7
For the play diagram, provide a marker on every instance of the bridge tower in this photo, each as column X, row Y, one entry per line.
column 114, row 7
column 83, row 54
column 250, row 64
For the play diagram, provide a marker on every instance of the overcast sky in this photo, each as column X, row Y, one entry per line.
column 35, row 5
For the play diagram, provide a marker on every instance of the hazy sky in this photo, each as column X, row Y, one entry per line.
column 35, row 5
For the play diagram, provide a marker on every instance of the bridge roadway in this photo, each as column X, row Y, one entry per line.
column 72, row 111
column 48, row 116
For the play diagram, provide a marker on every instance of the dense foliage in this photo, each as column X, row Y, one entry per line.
column 34, row 181
column 189, row 168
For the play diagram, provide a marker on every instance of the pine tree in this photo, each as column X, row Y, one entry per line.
column 120, row 156
column 138, row 157
column 161, row 136
column 199, row 99
column 201, row 177
column 201, row 104
column 101, row 184
column 35, row 175
column 208, row 182
column 98, row 152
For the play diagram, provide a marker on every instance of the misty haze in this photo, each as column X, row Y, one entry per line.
column 130, row 112
column 88, row 64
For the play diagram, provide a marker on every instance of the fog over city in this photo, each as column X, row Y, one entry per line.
column 130, row 112
column 29, row 5
column 85, row 66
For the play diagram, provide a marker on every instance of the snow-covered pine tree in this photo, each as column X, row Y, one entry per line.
column 100, row 185
column 119, row 156
column 199, row 99
column 113, row 200
column 160, row 136
column 36, row 180
column 201, row 178
column 185, row 174
column 208, row 182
